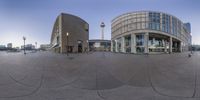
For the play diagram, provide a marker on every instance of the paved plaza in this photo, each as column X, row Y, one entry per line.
column 99, row 76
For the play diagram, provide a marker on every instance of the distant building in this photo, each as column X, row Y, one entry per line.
column 17, row 48
column 75, row 40
column 99, row 45
column 45, row 47
column 2, row 47
column 9, row 46
column 28, row 47
column 195, row 47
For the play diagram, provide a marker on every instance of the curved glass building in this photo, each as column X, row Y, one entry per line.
column 149, row 31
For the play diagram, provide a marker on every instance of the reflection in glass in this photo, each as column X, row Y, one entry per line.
column 140, row 40
column 119, row 40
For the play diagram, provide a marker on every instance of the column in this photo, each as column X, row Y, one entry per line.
column 61, row 43
column 116, row 45
column 170, row 44
column 180, row 46
column 146, row 39
column 133, row 43
column 122, row 44
column 165, row 44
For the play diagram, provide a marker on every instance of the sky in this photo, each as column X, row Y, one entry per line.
column 34, row 19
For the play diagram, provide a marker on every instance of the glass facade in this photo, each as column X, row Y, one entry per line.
column 131, row 22
column 158, row 44
column 140, row 40
column 148, row 20
column 119, row 44
column 128, row 43
column 166, row 23
column 154, row 21
column 174, row 26
column 140, row 43
column 158, row 22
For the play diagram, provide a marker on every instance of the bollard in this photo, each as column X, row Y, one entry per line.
column 189, row 55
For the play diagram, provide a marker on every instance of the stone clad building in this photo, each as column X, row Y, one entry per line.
column 78, row 34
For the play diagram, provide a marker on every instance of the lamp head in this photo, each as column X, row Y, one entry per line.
column 67, row 34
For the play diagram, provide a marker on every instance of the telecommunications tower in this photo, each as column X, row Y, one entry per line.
column 102, row 30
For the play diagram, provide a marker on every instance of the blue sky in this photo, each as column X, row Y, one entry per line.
column 35, row 18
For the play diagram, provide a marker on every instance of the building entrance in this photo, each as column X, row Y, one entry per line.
column 158, row 43
column 80, row 46
column 140, row 43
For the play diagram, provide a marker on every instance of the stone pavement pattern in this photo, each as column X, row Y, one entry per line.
column 99, row 76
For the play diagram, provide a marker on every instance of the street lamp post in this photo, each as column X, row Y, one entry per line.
column 67, row 34
column 24, row 38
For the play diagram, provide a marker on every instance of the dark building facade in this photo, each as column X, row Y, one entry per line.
column 70, row 34
column 99, row 45
column 28, row 47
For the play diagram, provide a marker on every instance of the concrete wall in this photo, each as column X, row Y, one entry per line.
column 78, row 30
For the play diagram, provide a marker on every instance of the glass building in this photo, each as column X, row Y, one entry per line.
column 149, row 31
